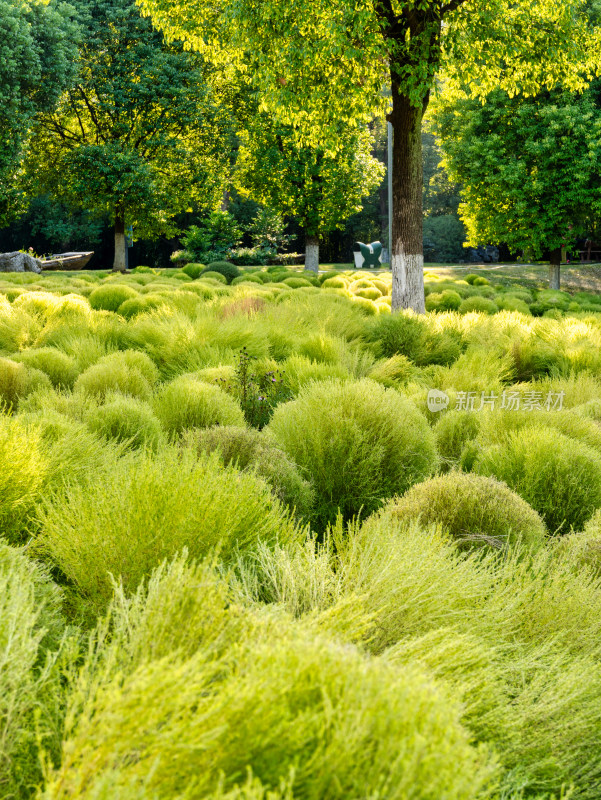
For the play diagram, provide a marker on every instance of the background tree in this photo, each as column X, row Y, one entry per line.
column 530, row 168
column 319, row 188
column 140, row 136
column 317, row 61
column 37, row 53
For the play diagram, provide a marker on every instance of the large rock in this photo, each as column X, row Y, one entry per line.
column 19, row 262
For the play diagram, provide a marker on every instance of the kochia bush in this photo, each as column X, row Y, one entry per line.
column 472, row 508
column 358, row 442
column 142, row 508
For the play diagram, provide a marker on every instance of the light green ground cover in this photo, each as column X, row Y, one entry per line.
column 306, row 583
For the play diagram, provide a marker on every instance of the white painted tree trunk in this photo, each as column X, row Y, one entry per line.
column 120, row 244
column 408, row 282
column 312, row 254
column 407, row 260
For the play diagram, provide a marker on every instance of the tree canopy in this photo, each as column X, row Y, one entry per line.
column 320, row 189
column 37, row 56
column 316, row 61
column 140, row 135
column 530, row 168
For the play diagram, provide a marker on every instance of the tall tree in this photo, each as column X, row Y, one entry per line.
column 530, row 168
column 314, row 61
column 319, row 189
column 140, row 136
column 38, row 48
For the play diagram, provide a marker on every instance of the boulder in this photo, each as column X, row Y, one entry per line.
column 19, row 262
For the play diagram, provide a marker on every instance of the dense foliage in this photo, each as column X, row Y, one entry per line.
column 370, row 595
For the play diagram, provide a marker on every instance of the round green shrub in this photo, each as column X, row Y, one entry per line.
column 508, row 303
column 213, row 276
column 471, row 278
column 252, row 450
column 145, row 507
column 370, row 293
column 225, row 268
column 129, row 372
column 296, row 282
column 23, row 470
column 476, row 303
column 357, row 442
column 368, row 307
column 140, row 305
column 472, row 508
column 189, row 403
column 559, row 476
column 126, row 419
column 296, row 716
column 247, row 278
column 584, row 548
column 60, row 367
column 110, row 296
column 479, row 280
column 452, row 432
column 393, row 372
column 14, row 382
column 447, row 300
column 334, row 282
column 407, row 334
column 31, row 629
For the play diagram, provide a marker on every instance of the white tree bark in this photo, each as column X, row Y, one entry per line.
column 312, row 254
column 119, row 260
column 408, row 282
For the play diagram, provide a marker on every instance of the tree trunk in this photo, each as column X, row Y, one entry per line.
column 554, row 268
column 312, row 253
column 407, row 258
column 120, row 244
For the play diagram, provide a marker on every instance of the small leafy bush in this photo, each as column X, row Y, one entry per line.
column 476, row 303
column 60, row 367
column 14, row 382
column 559, row 476
column 250, row 450
column 193, row 270
column 225, row 268
column 110, row 296
column 23, row 469
column 142, row 508
column 126, row 419
column 190, row 403
column 358, row 442
column 452, row 432
column 447, row 300
column 473, row 509
column 32, row 691
column 129, row 372
column 214, row 276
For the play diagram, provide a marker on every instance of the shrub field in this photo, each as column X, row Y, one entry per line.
column 264, row 540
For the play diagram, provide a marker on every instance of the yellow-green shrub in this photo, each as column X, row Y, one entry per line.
column 559, row 476
column 472, row 508
column 189, row 403
column 358, row 442
column 142, row 508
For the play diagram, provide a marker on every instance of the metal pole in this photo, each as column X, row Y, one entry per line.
column 390, row 134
